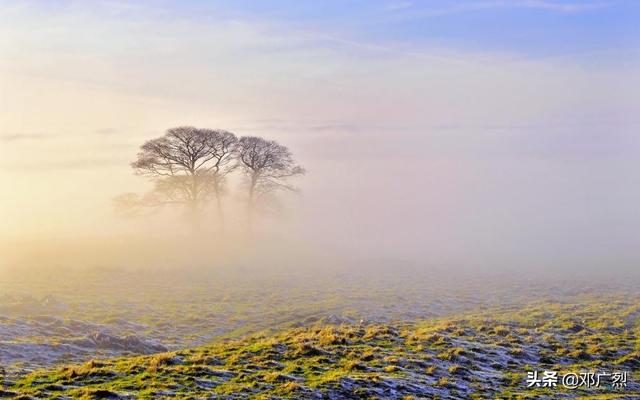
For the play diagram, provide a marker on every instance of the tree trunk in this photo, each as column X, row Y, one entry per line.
column 220, row 211
column 194, row 206
column 195, row 217
column 251, row 204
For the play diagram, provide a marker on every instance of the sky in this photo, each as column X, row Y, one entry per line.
column 453, row 132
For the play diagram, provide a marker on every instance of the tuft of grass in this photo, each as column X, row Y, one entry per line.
column 156, row 362
column 500, row 330
column 444, row 382
column 451, row 354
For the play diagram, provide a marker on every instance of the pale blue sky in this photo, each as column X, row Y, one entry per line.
column 526, row 27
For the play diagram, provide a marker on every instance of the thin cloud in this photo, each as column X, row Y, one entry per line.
column 81, row 164
column 17, row 137
column 106, row 131
column 565, row 7
column 460, row 8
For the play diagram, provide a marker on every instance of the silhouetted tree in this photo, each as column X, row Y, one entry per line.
column 222, row 150
column 187, row 165
column 267, row 166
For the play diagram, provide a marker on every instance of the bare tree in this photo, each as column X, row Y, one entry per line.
column 187, row 165
column 267, row 166
column 222, row 150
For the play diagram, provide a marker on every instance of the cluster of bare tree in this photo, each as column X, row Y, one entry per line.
column 190, row 167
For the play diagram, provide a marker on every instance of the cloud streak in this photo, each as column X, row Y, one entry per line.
column 564, row 7
column 410, row 11
column 18, row 137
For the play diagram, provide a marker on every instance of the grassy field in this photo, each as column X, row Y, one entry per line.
column 60, row 316
column 479, row 356
column 400, row 335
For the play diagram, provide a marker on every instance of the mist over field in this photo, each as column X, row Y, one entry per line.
column 434, row 155
column 353, row 199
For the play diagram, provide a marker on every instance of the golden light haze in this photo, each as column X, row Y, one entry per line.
column 436, row 154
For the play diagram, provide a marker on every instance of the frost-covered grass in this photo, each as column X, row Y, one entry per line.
column 481, row 354
column 48, row 317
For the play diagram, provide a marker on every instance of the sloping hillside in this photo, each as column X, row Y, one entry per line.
column 479, row 355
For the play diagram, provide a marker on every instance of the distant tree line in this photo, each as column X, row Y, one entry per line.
column 190, row 168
